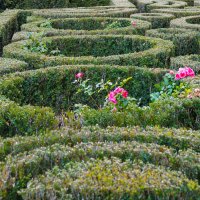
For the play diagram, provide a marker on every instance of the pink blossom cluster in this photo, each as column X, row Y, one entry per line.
column 112, row 95
column 79, row 75
column 184, row 72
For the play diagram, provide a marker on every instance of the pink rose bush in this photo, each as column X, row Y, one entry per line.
column 112, row 96
column 173, row 86
column 184, row 72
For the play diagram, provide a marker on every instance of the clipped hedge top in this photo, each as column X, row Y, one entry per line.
column 167, row 4
column 119, row 50
column 150, row 16
column 105, row 11
column 188, row 11
column 11, row 65
column 187, row 60
column 109, row 179
column 86, row 26
column 191, row 22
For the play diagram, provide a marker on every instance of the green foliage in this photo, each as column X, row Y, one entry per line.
column 36, row 43
column 117, row 24
column 170, row 87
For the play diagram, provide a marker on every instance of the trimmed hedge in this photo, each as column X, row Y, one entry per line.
column 91, row 26
column 179, row 139
column 8, row 65
column 189, row 2
column 109, row 179
column 107, row 49
column 10, row 22
column 186, row 42
column 104, row 11
column 177, row 12
column 188, row 60
column 53, row 86
column 15, row 119
column 27, row 4
column 158, row 20
column 166, row 4
column 191, row 22
column 166, row 113
column 19, row 169
column 148, row 5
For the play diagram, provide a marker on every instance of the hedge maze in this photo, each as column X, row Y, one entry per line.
column 64, row 136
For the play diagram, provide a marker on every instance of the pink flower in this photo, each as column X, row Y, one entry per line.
column 118, row 90
column 171, row 72
column 134, row 23
column 182, row 74
column 114, row 109
column 189, row 71
column 79, row 75
column 125, row 94
column 111, row 97
column 177, row 76
column 121, row 91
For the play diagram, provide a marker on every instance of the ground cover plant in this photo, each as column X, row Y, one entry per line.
column 99, row 100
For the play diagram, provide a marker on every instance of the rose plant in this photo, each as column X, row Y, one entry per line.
column 173, row 84
column 117, row 98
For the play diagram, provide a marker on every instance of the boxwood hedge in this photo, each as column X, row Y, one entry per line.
column 148, row 5
column 107, row 49
column 179, row 139
column 167, row 113
column 191, row 22
column 187, row 60
column 99, row 11
column 91, row 26
column 178, row 12
column 186, row 42
column 27, row 4
column 53, row 86
column 109, row 179
column 158, row 20
column 8, row 65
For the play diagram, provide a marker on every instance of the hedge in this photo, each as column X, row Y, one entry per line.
column 27, row 4
column 189, row 2
column 166, row 113
column 88, row 26
column 104, row 11
column 107, row 49
column 158, row 20
column 10, row 22
column 166, row 4
column 15, row 119
column 186, row 42
column 188, row 60
column 178, row 12
column 8, row 65
column 179, row 139
column 53, row 86
column 148, row 5
column 109, row 179
column 191, row 22
column 19, row 169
